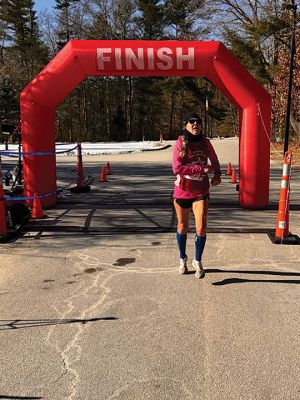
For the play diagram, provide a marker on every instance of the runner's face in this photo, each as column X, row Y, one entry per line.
column 194, row 126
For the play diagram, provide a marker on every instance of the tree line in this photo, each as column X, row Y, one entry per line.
column 259, row 33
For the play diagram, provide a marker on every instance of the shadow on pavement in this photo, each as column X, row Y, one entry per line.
column 138, row 199
column 242, row 280
column 266, row 272
column 21, row 324
column 19, row 397
column 238, row 280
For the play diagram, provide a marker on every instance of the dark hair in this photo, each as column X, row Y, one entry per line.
column 194, row 116
column 184, row 138
column 184, row 146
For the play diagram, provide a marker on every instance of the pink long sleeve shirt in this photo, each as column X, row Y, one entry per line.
column 190, row 169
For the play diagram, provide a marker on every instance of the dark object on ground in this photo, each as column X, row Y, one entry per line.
column 78, row 189
column 290, row 239
column 17, row 215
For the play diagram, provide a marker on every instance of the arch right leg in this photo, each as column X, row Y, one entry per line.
column 181, row 235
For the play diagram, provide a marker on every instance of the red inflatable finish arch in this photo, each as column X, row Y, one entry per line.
column 82, row 58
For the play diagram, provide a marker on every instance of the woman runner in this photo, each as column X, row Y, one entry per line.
column 191, row 189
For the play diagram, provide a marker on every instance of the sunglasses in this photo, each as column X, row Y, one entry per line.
column 193, row 120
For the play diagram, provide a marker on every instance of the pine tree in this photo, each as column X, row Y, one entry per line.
column 183, row 17
column 258, row 33
column 9, row 102
column 123, row 11
column 118, row 128
column 150, row 21
column 23, row 44
column 66, row 29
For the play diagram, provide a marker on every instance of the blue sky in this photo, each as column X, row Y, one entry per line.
column 42, row 4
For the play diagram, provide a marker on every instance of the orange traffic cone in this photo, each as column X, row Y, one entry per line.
column 108, row 169
column 228, row 172
column 102, row 177
column 282, row 224
column 81, row 185
column 282, row 234
column 233, row 176
column 37, row 211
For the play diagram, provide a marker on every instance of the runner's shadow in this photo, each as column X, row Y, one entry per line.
column 242, row 280
column 19, row 397
column 238, row 280
column 21, row 324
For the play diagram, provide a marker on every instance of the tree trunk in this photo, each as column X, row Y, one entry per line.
column 296, row 126
column 130, row 108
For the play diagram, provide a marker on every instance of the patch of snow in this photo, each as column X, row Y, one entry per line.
column 65, row 149
column 68, row 149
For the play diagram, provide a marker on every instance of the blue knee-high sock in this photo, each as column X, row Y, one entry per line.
column 181, row 240
column 199, row 246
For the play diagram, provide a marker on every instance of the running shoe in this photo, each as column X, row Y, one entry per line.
column 182, row 266
column 200, row 273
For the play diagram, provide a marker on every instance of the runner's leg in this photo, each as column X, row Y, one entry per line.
column 182, row 228
column 200, row 209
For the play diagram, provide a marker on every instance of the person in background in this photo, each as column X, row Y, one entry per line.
column 191, row 189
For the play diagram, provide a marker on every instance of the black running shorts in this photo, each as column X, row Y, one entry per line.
column 188, row 203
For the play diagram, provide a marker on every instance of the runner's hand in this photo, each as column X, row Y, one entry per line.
column 206, row 169
column 216, row 180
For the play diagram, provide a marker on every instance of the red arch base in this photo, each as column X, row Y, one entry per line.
column 82, row 58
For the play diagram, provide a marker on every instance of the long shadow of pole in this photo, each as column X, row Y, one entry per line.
column 21, row 324
column 19, row 397
column 228, row 281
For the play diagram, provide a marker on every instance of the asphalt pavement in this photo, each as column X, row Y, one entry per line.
column 93, row 308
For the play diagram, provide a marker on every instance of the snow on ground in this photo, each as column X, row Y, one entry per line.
column 108, row 148
column 65, row 149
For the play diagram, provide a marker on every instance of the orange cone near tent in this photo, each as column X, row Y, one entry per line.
column 37, row 211
column 228, row 172
column 108, row 169
column 233, row 176
column 102, row 177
